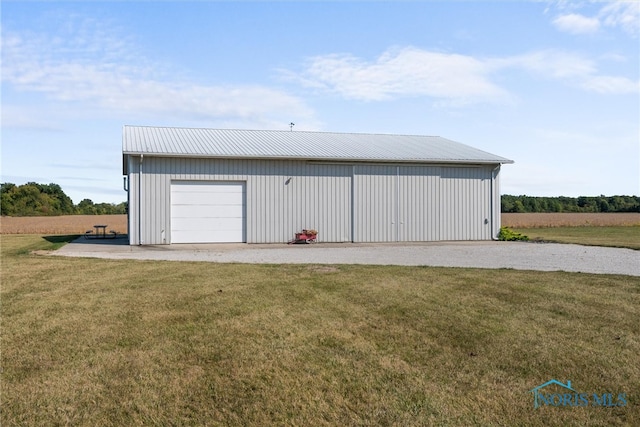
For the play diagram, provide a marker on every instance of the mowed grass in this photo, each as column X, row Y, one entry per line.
column 108, row 342
column 618, row 236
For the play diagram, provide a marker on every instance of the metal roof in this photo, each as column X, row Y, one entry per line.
column 320, row 146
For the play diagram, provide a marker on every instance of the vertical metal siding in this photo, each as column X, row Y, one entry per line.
column 465, row 203
column 144, row 206
column 375, row 203
column 396, row 203
column 363, row 203
column 418, row 203
column 495, row 195
column 316, row 196
column 291, row 196
column 133, row 207
column 154, row 208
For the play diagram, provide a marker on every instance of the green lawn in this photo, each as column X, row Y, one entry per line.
column 622, row 237
column 110, row 342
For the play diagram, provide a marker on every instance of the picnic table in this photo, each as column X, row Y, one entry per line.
column 100, row 232
column 101, row 228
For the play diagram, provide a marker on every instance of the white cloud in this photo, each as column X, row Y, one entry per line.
column 576, row 24
column 407, row 72
column 611, row 85
column 573, row 69
column 623, row 14
column 100, row 70
column 453, row 78
column 614, row 14
column 551, row 63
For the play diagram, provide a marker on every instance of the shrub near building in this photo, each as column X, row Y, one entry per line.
column 510, row 235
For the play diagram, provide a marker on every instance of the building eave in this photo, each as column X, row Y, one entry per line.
column 340, row 160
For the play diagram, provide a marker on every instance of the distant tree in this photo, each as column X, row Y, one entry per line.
column 86, row 207
column 569, row 204
column 7, row 191
column 531, row 204
column 603, row 204
column 518, row 207
column 30, row 201
column 555, row 205
column 600, row 203
column 63, row 203
column 33, row 199
column 507, row 203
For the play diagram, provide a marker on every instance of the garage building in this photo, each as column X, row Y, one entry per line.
column 189, row 185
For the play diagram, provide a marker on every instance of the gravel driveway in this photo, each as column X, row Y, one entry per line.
column 516, row 255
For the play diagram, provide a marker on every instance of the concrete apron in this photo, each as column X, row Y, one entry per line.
column 484, row 254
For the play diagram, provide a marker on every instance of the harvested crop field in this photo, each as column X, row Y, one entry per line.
column 78, row 224
column 67, row 224
column 537, row 220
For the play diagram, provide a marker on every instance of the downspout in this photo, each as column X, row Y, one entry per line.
column 494, row 236
column 125, row 186
column 140, row 201
column 353, row 203
column 397, row 203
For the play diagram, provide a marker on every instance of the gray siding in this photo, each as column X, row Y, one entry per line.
column 282, row 196
column 375, row 203
column 496, row 206
column 465, row 204
column 418, row 203
column 344, row 202
column 396, row 203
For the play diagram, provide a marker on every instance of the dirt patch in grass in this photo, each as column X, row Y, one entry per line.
column 323, row 268
column 533, row 220
column 67, row 224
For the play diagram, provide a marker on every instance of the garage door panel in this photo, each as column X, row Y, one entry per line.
column 219, row 188
column 204, row 224
column 204, row 236
column 206, row 198
column 207, row 212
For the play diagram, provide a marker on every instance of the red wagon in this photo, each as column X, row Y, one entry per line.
column 307, row 236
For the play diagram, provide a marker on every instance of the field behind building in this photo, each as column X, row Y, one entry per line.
column 542, row 220
column 78, row 224
column 66, row 224
column 594, row 229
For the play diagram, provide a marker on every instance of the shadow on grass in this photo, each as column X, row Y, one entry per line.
column 120, row 239
column 58, row 241
column 61, row 239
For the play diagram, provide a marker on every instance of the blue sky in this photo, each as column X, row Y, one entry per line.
column 554, row 86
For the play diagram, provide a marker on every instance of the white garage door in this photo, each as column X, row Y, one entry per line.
column 207, row 212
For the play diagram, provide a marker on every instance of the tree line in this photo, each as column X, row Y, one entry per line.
column 33, row 199
column 522, row 204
